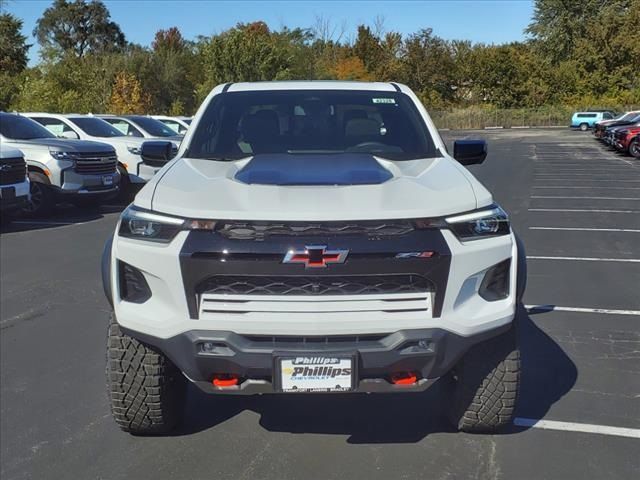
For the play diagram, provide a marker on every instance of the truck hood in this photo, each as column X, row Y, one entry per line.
column 61, row 144
column 207, row 189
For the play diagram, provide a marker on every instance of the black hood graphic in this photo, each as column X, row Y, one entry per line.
column 314, row 169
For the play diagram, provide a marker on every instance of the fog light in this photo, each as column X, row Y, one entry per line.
column 425, row 345
column 133, row 286
column 207, row 347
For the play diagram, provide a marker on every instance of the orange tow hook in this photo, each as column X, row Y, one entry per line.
column 404, row 378
column 224, row 380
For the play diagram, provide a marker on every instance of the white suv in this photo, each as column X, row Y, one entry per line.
column 84, row 127
column 14, row 182
column 78, row 171
column 313, row 237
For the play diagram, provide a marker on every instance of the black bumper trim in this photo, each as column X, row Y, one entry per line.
column 253, row 360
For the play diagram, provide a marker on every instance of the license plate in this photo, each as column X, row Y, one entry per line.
column 316, row 373
column 107, row 180
column 8, row 193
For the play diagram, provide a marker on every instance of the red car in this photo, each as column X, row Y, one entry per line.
column 628, row 140
column 600, row 127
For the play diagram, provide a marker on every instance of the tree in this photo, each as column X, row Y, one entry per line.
column 558, row 24
column 127, row 96
column 13, row 45
column 78, row 26
column 252, row 52
column 351, row 68
column 13, row 57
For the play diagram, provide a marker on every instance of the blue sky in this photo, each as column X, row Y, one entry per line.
column 490, row 21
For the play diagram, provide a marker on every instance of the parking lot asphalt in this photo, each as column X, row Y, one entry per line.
column 575, row 204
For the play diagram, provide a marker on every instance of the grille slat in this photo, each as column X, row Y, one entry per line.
column 314, row 285
column 261, row 230
column 95, row 167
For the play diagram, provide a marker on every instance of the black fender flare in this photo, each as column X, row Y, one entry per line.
column 106, row 270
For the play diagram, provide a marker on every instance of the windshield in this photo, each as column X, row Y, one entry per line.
column 628, row 116
column 241, row 124
column 17, row 127
column 96, row 127
column 153, row 127
column 187, row 121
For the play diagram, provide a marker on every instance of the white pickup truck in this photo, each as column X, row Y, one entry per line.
column 313, row 237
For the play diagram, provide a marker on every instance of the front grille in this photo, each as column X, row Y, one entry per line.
column 261, row 230
column 12, row 170
column 96, row 163
column 317, row 285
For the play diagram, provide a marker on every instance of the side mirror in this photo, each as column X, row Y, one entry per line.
column 157, row 153
column 70, row 134
column 470, row 152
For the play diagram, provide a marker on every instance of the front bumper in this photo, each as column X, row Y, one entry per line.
column 253, row 358
column 14, row 197
column 83, row 184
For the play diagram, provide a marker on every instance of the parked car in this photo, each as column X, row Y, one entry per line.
column 600, row 127
column 142, row 126
column 78, row 171
column 134, row 172
column 608, row 137
column 586, row 120
column 627, row 140
column 14, row 183
column 179, row 124
column 323, row 240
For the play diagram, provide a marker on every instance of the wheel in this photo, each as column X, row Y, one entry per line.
column 126, row 193
column 634, row 147
column 147, row 392
column 486, row 383
column 42, row 200
column 584, row 127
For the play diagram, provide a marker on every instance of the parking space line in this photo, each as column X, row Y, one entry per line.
column 555, row 308
column 585, row 259
column 584, row 186
column 588, row 210
column 589, row 198
column 577, row 427
column 594, row 174
column 38, row 222
column 587, row 229
column 599, row 180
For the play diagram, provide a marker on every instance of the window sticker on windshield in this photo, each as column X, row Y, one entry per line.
column 383, row 100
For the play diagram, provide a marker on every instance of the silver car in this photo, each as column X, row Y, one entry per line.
column 78, row 171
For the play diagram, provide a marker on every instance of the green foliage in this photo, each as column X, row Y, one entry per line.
column 13, row 57
column 579, row 55
column 79, row 27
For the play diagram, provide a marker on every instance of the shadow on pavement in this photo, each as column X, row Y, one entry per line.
column 548, row 374
column 63, row 215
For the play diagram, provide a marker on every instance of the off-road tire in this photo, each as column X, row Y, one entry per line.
column 486, row 382
column 147, row 392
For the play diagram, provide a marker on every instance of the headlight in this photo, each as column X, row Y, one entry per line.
column 58, row 155
column 146, row 225
column 483, row 223
column 135, row 150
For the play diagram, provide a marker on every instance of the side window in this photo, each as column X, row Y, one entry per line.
column 124, row 127
column 55, row 126
column 607, row 116
column 175, row 126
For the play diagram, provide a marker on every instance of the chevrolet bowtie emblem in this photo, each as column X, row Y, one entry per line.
column 316, row 256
